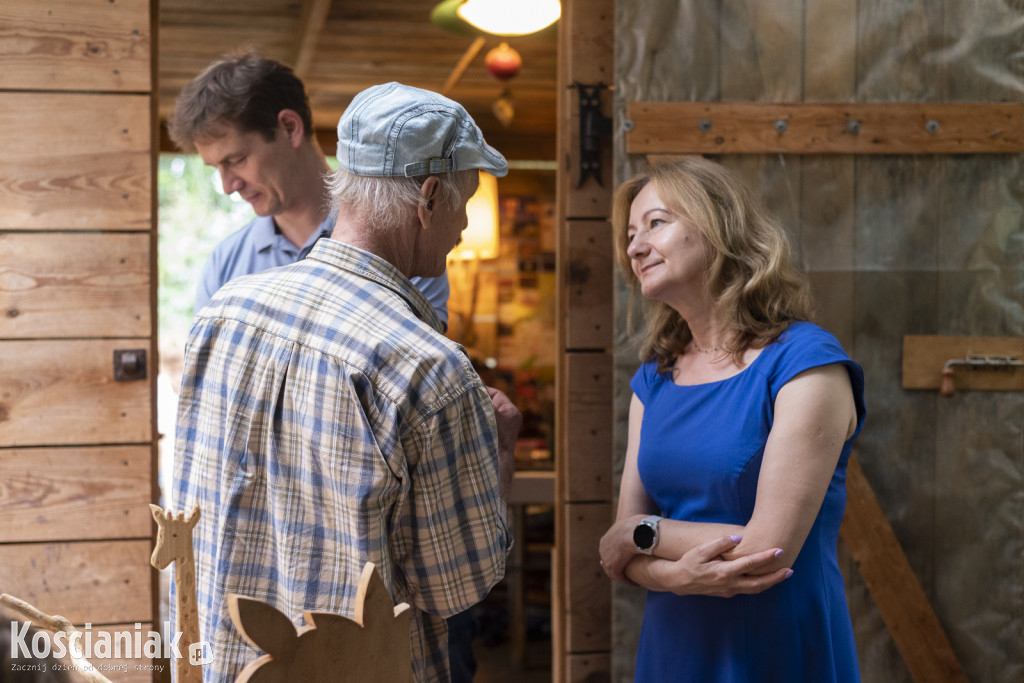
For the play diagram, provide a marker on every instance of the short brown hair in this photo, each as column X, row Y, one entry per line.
column 243, row 90
column 751, row 275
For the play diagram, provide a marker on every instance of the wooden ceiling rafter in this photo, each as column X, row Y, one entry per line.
column 342, row 48
column 460, row 68
column 311, row 25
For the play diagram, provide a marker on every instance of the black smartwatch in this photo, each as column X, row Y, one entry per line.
column 645, row 534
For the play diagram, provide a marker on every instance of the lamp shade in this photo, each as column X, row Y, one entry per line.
column 510, row 17
column 480, row 238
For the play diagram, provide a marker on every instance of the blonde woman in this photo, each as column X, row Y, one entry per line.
column 740, row 428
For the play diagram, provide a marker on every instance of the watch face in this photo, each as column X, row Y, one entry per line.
column 643, row 536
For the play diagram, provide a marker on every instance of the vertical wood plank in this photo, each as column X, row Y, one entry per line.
column 587, row 600
column 588, row 286
column 589, row 414
column 588, row 668
column 586, row 49
column 586, row 43
column 979, row 468
column 761, row 61
column 896, row 288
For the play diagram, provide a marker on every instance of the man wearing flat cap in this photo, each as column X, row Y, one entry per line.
column 324, row 419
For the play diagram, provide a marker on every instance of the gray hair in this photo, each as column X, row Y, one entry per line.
column 385, row 202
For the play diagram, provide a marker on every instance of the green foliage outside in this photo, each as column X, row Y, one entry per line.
column 194, row 215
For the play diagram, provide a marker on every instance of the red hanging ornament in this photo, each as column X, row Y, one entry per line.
column 503, row 62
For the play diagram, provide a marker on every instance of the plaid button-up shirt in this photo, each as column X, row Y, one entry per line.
column 324, row 422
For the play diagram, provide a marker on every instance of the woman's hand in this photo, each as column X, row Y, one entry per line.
column 617, row 549
column 702, row 571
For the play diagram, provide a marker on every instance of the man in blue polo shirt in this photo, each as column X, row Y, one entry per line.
column 249, row 118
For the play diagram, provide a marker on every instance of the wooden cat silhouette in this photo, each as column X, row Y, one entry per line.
column 372, row 646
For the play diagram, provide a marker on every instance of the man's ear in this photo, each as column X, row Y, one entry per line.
column 291, row 124
column 430, row 193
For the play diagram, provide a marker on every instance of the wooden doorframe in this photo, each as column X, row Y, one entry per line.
column 581, row 608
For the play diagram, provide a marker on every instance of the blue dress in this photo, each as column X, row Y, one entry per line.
column 699, row 458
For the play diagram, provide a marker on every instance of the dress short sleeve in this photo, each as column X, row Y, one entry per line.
column 642, row 379
column 804, row 346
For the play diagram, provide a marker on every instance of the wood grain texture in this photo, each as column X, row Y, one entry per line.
column 586, row 57
column 55, row 393
column 581, row 619
column 587, row 285
column 75, row 45
column 94, row 170
column 588, row 595
column 371, row 646
column 925, row 356
column 311, row 26
column 894, row 586
column 100, row 582
column 94, row 285
column 884, row 128
column 589, row 668
column 63, row 494
column 760, row 57
column 587, row 441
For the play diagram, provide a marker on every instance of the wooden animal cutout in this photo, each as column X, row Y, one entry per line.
column 174, row 544
column 373, row 646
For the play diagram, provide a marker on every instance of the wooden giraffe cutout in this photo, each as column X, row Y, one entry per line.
column 372, row 647
column 174, row 544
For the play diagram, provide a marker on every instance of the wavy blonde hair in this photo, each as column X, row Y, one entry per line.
column 750, row 274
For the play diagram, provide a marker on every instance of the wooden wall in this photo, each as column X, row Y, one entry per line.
column 922, row 244
column 77, row 283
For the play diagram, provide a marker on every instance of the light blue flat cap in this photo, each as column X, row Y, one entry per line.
column 397, row 130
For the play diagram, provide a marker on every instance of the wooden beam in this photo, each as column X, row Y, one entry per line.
column 925, row 358
column 582, row 615
column 311, row 25
column 849, row 128
column 460, row 68
column 894, row 586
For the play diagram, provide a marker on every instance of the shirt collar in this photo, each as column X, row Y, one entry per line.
column 265, row 234
column 372, row 267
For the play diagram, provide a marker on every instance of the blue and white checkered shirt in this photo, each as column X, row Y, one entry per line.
column 324, row 422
